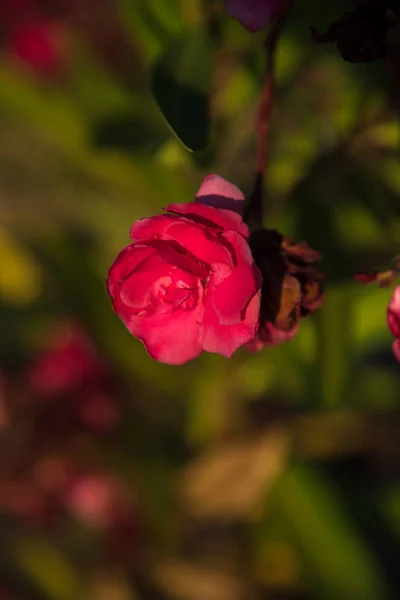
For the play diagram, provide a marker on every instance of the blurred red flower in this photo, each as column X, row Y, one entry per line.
column 70, row 362
column 40, row 45
column 72, row 369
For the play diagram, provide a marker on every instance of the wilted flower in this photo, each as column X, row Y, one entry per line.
column 189, row 282
column 291, row 288
column 269, row 335
column 255, row 14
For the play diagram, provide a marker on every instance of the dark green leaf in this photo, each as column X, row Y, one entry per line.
column 129, row 133
column 180, row 86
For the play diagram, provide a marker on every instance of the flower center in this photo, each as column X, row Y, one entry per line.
column 175, row 293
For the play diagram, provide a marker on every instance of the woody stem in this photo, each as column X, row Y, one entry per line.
column 253, row 212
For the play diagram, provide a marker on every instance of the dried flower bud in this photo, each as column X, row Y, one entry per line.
column 291, row 287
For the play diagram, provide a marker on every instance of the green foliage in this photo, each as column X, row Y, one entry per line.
column 272, row 474
column 181, row 82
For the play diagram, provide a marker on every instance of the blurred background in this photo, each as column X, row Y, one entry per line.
column 273, row 475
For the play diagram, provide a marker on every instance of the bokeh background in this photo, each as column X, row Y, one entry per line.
column 273, row 475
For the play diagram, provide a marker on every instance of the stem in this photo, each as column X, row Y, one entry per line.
column 253, row 211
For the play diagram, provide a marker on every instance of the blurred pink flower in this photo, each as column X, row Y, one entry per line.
column 101, row 503
column 393, row 318
column 94, row 500
column 70, row 363
column 40, row 45
column 71, row 369
column 189, row 282
column 255, row 14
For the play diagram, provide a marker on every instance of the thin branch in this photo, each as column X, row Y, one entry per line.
column 253, row 212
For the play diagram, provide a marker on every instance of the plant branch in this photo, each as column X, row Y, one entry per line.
column 253, row 212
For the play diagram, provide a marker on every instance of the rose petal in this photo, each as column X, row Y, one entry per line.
column 208, row 216
column 173, row 339
column 224, row 340
column 136, row 288
column 220, row 193
column 127, row 260
column 229, row 298
column 174, row 254
column 255, row 14
column 200, row 242
column 271, row 336
column 393, row 312
column 396, row 349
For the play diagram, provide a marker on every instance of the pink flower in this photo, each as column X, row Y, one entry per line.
column 70, row 363
column 93, row 499
column 255, row 14
column 189, row 282
column 393, row 317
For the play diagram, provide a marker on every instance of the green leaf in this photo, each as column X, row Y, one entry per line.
column 335, row 345
column 321, row 530
column 129, row 133
column 180, row 86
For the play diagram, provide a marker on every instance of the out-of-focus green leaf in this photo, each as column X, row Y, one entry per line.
column 332, row 549
column 131, row 12
column 322, row 210
column 334, row 333
column 390, row 504
column 20, row 275
column 129, row 133
column 208, row 402
column 180, row 85
column 48, row 567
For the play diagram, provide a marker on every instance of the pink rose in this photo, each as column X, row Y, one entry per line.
column 189, row 282
column 393, row 317
column 255, row 14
